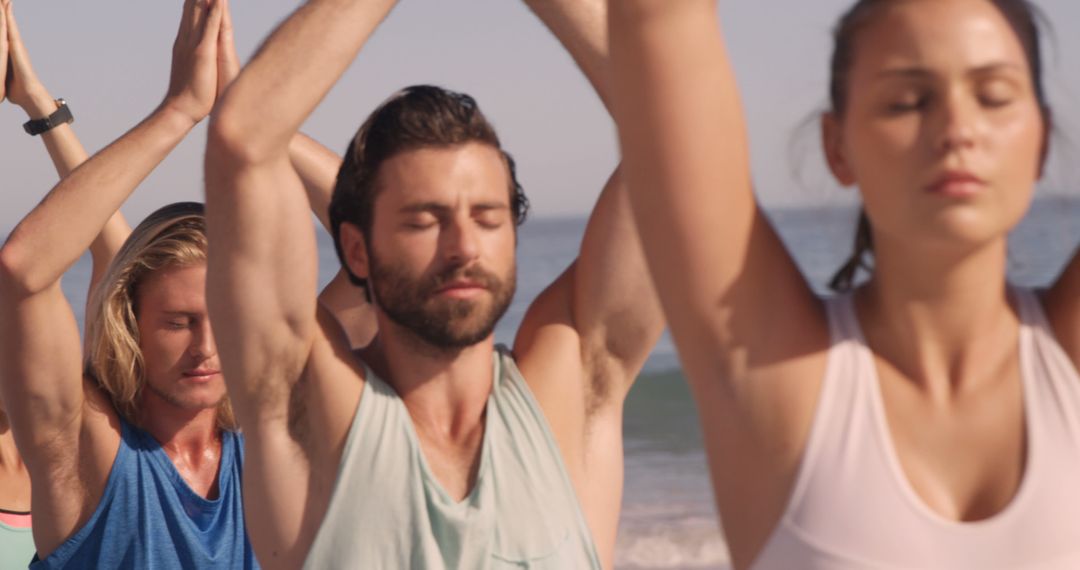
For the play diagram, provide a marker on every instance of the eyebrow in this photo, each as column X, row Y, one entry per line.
column 437, row 208
column 924, row 73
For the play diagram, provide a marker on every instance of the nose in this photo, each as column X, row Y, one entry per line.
column 202, row 341
column 461, row 241
column 958, row 123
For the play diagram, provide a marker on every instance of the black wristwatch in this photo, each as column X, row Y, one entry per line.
column 61, row 116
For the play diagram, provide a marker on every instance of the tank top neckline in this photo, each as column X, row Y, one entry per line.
column 887, row 444
column 485, row 445
column 165, row 463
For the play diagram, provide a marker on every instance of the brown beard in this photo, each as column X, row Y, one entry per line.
column 445, row 324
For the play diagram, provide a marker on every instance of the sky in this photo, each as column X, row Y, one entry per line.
column 110, row 60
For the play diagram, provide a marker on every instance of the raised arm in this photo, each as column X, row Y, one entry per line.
column 317, row 167
column 726, row 282
column 581, row 27
column 601, row 317
column 607, row 293
column 64, row 148
column 262, row 273
column 750, row 333
column 42, row 377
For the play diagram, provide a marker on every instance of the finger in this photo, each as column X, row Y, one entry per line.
column 212, row 28
column 228, row 60
column 187, row 19
column 198, row 20
column 16, row 49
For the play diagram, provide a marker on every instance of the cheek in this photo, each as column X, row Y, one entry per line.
column 1017, row 144
column 163, row 350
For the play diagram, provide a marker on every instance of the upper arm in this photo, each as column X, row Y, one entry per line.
column 261, row 278
column 41, row 378
column 602, row 310
column 729, row 288
column 67, row 439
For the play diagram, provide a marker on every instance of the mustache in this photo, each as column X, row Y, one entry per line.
column 475, row 274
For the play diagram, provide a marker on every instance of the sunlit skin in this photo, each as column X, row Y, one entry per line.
column 943, row 137
column 184, row 385
column 943, row 133
column 14, row 478
column 437, row 210
column 180, row 357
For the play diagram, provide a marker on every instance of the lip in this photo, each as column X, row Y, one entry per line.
column 957, row 184
column 461, row 289
column 201, row 374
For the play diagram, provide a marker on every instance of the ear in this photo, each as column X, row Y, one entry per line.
column 354, row 246
column 832, row 140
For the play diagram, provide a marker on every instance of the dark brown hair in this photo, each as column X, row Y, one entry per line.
column 1021, row 15
column 415, row 117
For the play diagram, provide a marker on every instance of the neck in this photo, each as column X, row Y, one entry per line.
column 443, row 390
column 932, row 314
column 178, row 430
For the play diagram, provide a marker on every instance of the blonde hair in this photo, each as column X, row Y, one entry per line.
column 173, row 236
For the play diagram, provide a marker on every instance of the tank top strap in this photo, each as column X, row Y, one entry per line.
column 1050, row 375
column 844, row 409
column 843, row 322
column 1029, row 307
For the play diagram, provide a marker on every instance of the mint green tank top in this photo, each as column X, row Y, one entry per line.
column 16, row 547
column 388, row 511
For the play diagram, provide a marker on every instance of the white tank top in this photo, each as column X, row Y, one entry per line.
column 388, row 511
column 852, row 506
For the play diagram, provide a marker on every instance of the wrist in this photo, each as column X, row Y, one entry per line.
column 174, row 117
column 175, row 111
column 39, row 105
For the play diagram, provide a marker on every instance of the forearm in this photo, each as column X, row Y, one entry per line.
column 291, row 74
column 67, row 153
column 73, row 215
column 581, row 26
column 317, row 167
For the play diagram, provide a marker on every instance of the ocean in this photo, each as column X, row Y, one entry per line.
column 668, row 520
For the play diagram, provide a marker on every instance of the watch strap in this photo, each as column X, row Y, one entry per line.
column 61, row 116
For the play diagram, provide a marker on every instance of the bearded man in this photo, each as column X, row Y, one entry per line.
column 435, row 448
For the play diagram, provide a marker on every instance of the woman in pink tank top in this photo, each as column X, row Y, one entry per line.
column 928, row 418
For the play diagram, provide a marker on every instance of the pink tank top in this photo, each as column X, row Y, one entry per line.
column 852, row 506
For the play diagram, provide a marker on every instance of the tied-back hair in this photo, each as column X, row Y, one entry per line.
column 1023, row 18
column 421, row 116
column 173, row 236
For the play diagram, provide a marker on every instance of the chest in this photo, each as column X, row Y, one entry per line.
column 965, row 459
column 453, row 462
column 199, row 470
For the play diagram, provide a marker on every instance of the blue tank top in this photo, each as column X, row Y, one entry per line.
column 149, row 518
